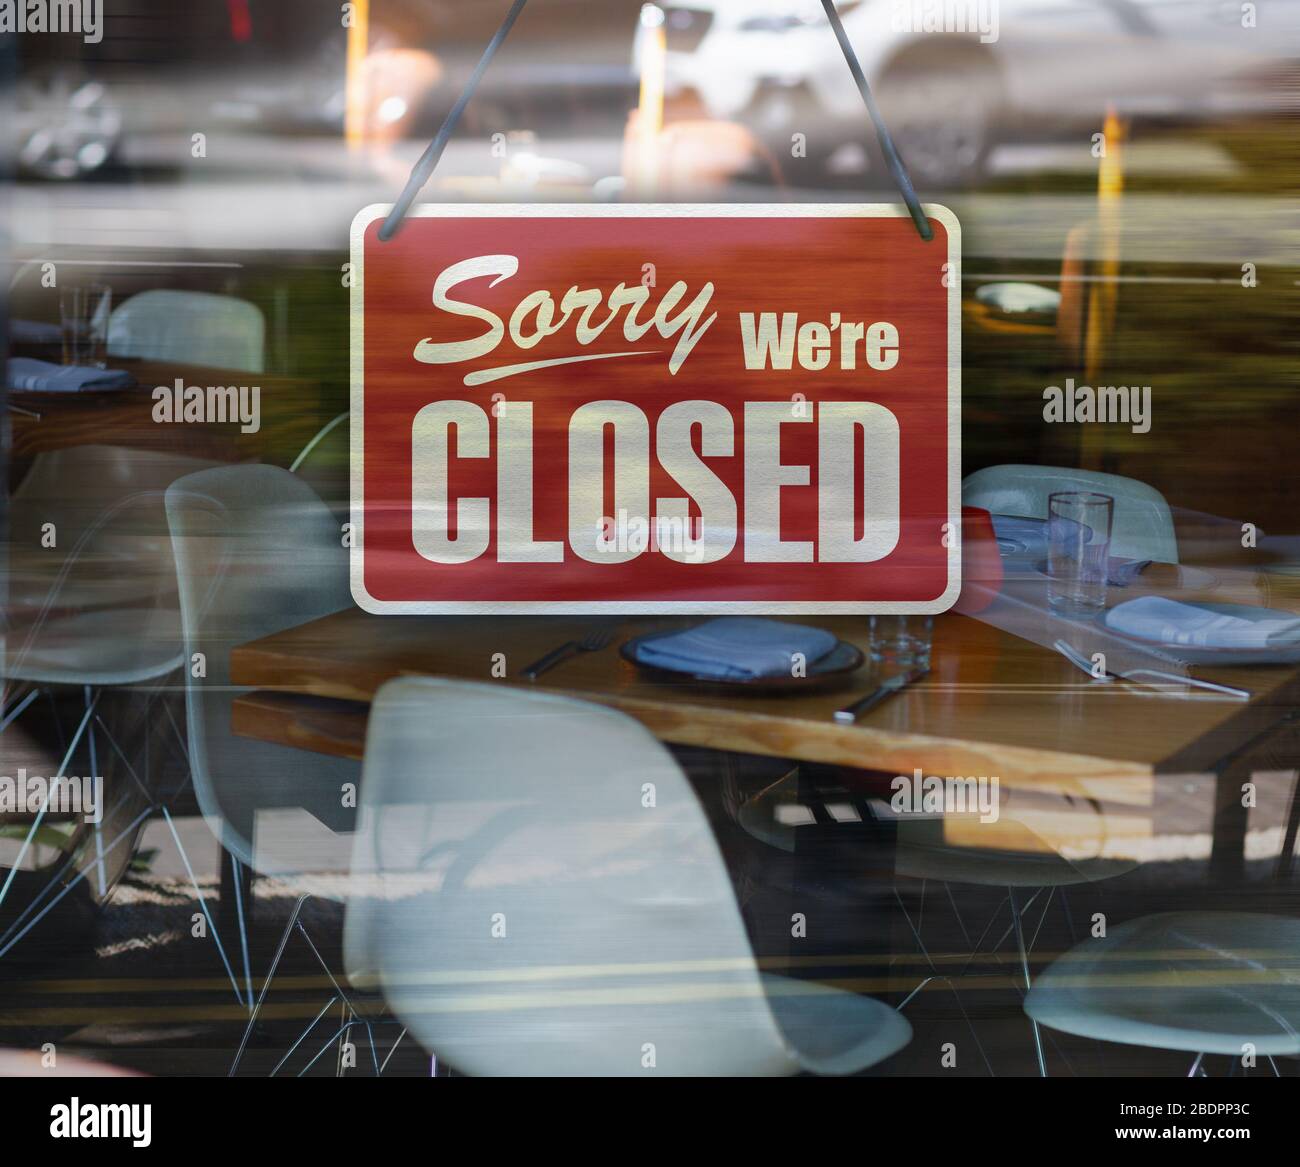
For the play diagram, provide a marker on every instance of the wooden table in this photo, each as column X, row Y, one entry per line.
column 993, row 705
column 291, row 412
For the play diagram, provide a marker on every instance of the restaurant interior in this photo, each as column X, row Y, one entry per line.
column 1047, row 831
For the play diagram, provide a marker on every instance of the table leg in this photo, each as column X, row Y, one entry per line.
column 1228, row 842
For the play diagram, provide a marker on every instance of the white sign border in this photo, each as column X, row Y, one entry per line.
column 369, row 603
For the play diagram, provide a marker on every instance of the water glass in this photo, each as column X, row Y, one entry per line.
column 84, row 311
column 902, row 642
column 1078, row 551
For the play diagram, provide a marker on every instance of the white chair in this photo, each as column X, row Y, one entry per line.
column 1203, row 982
column 1143, row 527
column 195, row 328
column 127, row 562
column 88, row 650
column 1030, row 870
column 93, row 612
column 541, row 894
column 256, row 552
column 324, row 463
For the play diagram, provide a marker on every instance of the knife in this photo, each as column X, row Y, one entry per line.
column 850, row 713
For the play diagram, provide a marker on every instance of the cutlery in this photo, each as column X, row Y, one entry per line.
column 850, row 713
column 1077, row 659
column 593, row 642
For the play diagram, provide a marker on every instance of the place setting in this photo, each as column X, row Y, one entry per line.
column 1070, row 554
column 85, row 312
column 753, row 655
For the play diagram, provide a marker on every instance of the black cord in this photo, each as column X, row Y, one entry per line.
column 424, row 168
column 892, row 160
column 429, row 159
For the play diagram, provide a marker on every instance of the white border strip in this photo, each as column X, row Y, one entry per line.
column 369, row 214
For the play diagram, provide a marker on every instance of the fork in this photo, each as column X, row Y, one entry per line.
column 594, row 641
column 1077, row 659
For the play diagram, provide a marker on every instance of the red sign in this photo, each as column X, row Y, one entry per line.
column 620, row 408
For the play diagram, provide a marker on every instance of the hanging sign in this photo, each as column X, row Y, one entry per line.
column 622, row 408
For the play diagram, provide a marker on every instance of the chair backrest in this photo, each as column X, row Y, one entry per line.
column 1143, row 525
column 256, row 552
column 196, row 328
column 325, row 462
column 541, row 893
column 72, row 486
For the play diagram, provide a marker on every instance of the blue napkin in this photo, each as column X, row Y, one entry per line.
column 736, row 648
column 1174, row 622
column 1017, row 536
column 29, row 375
column 34, row 331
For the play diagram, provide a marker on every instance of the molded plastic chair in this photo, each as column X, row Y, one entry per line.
column 88, row 648
column 256, row 552
column 128, row 561
column 541, row 893
column 195, row 328
column 1143, row 527
column 324, row 463
column 776, row 815
column 924, row 854
column 1205, row 982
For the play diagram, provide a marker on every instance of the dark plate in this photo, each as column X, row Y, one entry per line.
column 826, row 672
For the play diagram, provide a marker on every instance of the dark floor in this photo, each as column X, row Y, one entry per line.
column 139, row 989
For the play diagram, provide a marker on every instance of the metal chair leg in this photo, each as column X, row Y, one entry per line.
column 37, row 899
column 40, row 815
column 8, row 942
column 392, row 1050
column 203, row 906
column 1024, row 966
column 935, row 975
column 339, row 995
column 100, row 873
column 238, row 882
column 266, row 984
column 7, row 717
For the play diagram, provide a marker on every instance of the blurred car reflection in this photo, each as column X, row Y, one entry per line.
column 953, row 77
column 280, row 66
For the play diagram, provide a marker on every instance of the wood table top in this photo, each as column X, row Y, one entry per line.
column 291, row 413
column 992, row 704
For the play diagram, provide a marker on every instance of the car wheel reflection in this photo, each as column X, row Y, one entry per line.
column 66, row 125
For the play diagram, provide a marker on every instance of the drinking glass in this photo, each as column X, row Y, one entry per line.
column 84, row 310
column 902, row 642
column 1078, row 551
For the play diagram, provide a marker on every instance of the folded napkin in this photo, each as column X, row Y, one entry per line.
column 34, row 331
column 1017, row 536
column 1173, row 622
column 42, row 377
column 736, row 648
